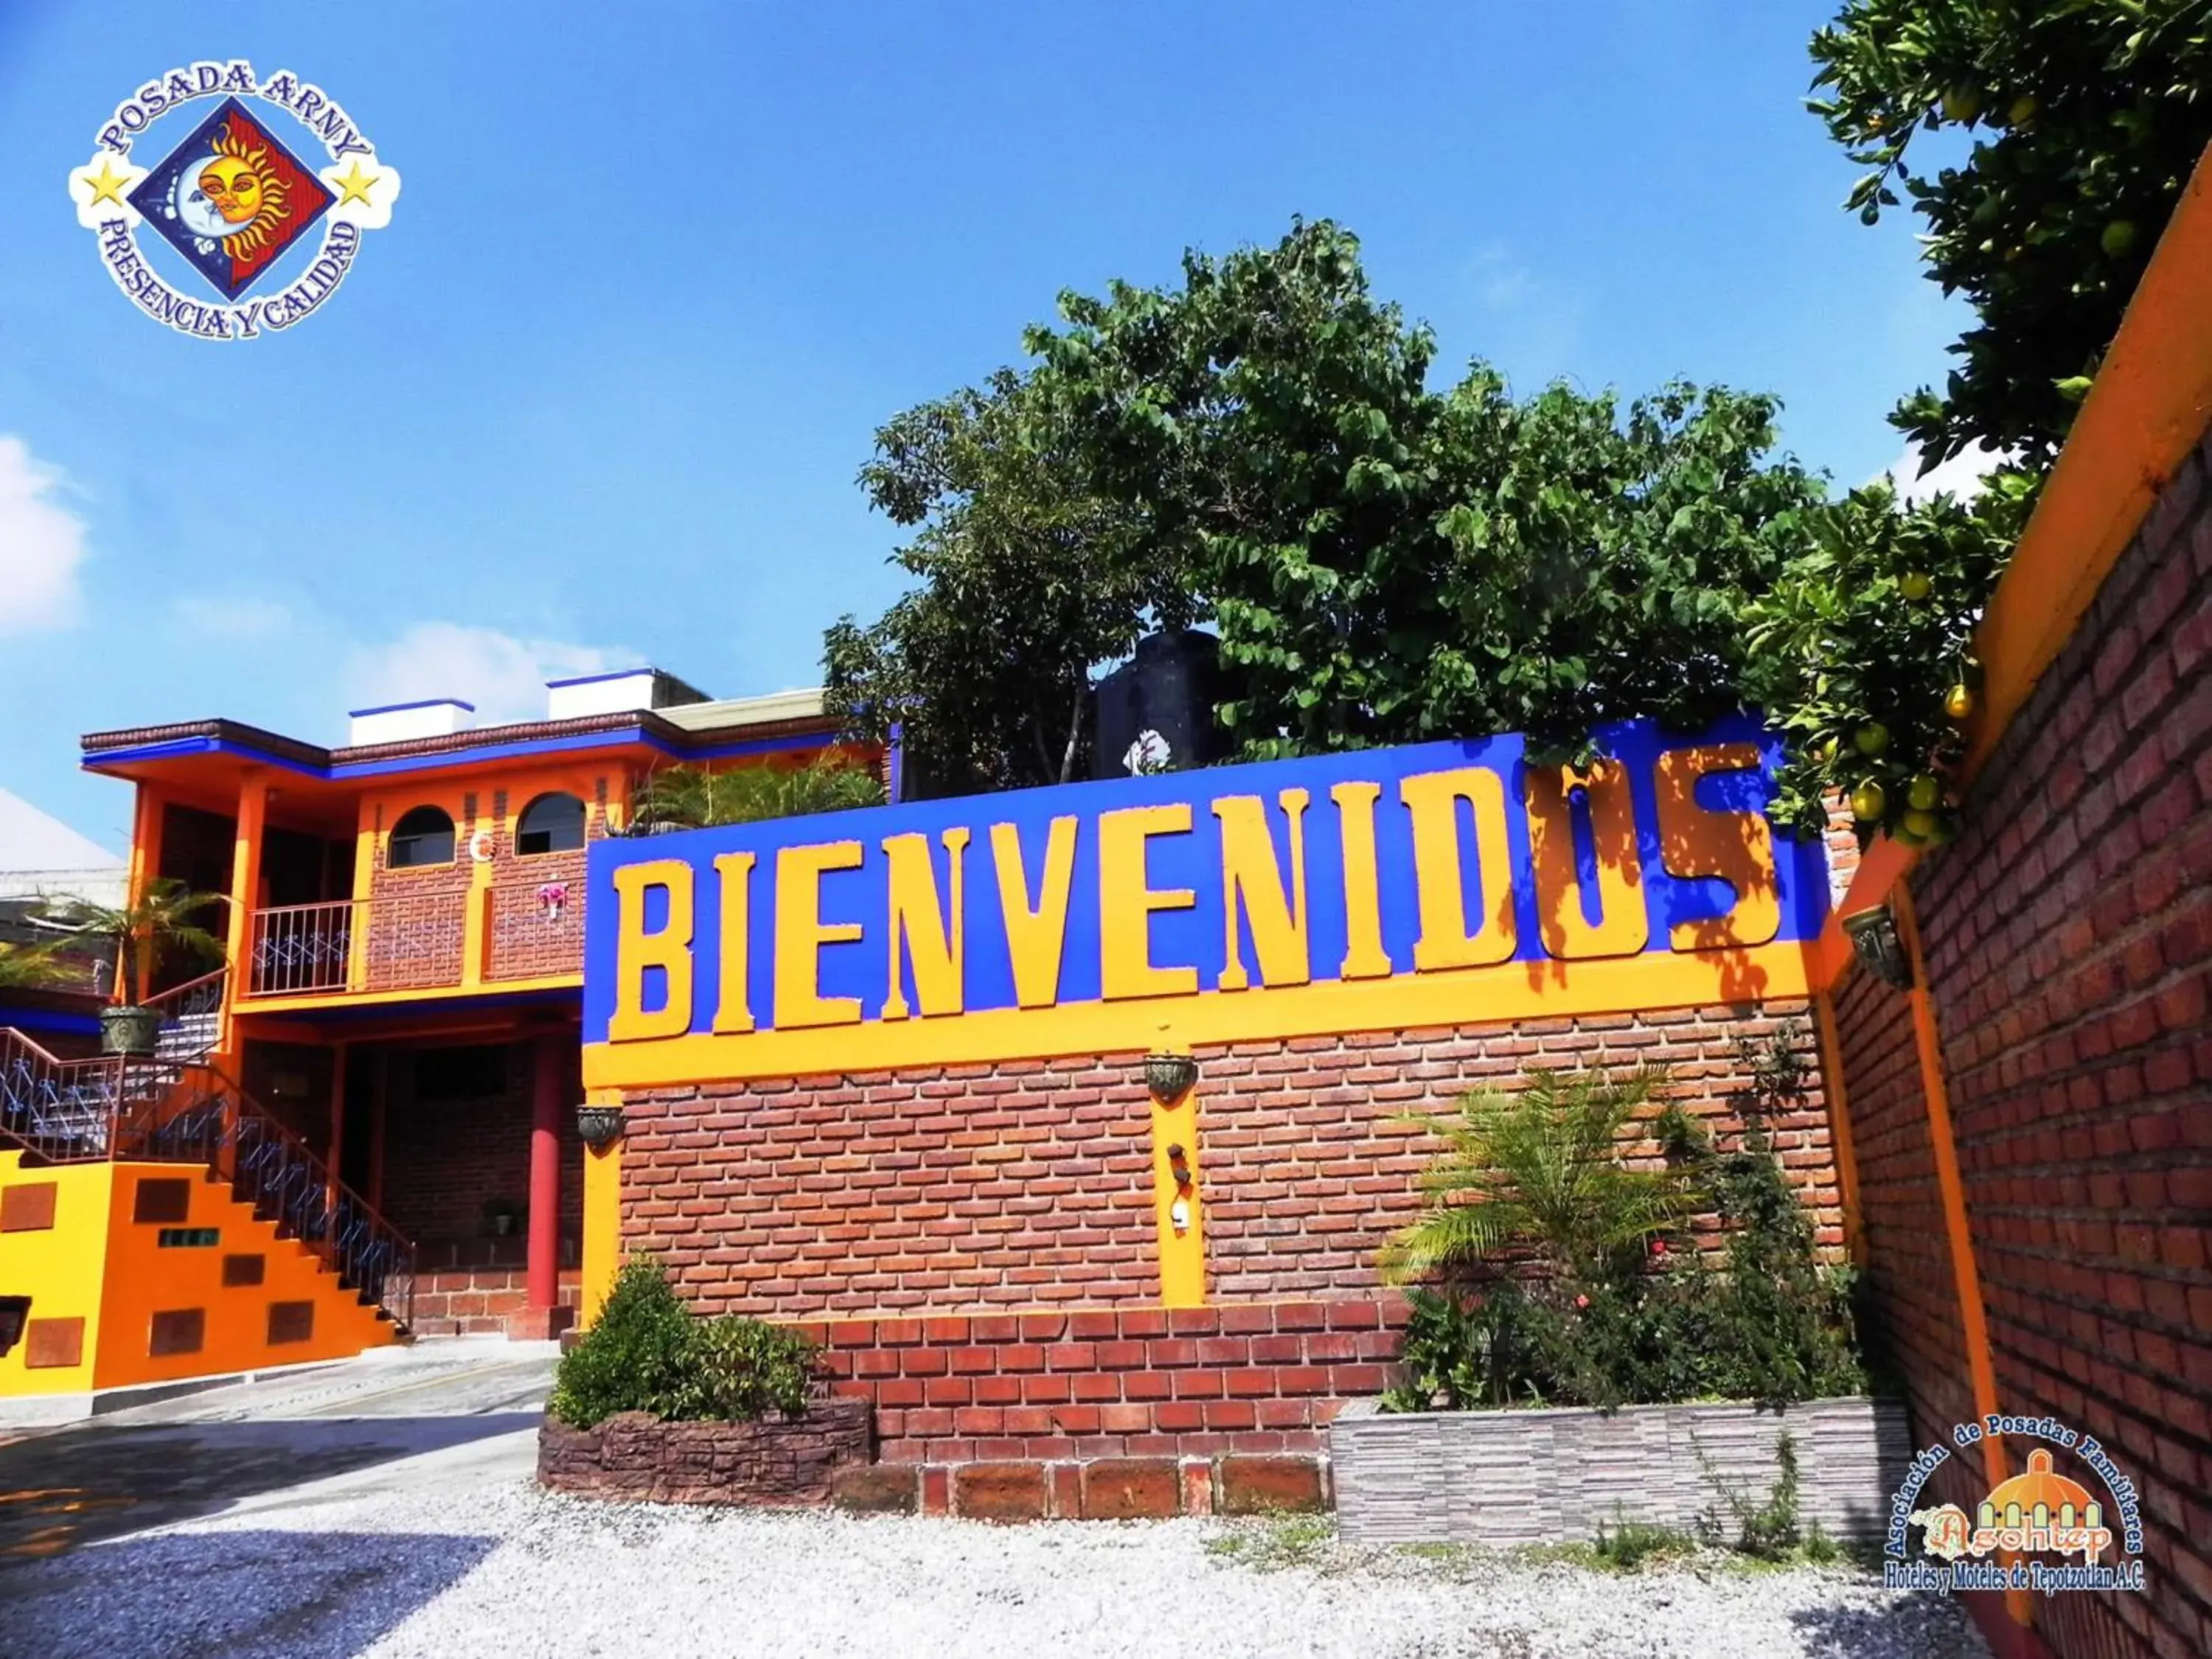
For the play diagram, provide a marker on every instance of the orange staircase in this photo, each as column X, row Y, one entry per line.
column 227, row 1244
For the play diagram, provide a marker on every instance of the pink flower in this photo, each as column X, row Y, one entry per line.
column 1582, row 1302
column 1658, row 1247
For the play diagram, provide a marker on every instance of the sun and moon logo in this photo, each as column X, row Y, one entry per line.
column 232, row 198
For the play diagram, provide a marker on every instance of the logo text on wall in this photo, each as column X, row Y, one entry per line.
column 2038, row 1514
column 232, row 198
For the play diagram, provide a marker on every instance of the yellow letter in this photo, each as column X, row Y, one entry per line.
column 1126, row 904
column 1034, row 937
column 635, row 950
column 938, row 951
column 1363, row 955
column 800, row 933
column 734, row 1009
column 1737, row 846
column 1249, row 872
column 1433, row 798
column 1624, row 926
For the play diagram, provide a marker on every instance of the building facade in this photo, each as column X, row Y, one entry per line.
column 384, row 1066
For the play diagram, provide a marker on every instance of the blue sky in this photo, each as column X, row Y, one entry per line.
column 598, row 393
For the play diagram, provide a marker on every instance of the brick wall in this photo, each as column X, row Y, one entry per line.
column 1916, row 1331
column 443, row 1158
column 1003, row 1216
column 1029, row 1184
column 2068, row 935
column 1130, row 1382
column 418, row 917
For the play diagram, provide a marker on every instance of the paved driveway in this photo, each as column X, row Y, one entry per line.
column 203, row 1453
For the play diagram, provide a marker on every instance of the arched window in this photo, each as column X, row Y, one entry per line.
column 424, row 835
column 551, row 823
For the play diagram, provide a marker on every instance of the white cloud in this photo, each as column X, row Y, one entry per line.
column 41, row 544
column 1960, row 477
column 236, row 616
column 505, row 678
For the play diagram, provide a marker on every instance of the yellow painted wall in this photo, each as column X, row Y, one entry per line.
column 144, row 1279
column 57, row 1267
column 602, row 1227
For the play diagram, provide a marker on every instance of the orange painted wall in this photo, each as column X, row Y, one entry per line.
column 143, row 1279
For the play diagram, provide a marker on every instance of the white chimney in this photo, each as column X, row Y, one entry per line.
column 617, row 693
column 396, row 722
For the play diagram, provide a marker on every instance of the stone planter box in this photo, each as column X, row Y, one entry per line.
column 1551, row 1476
column 777, row 1461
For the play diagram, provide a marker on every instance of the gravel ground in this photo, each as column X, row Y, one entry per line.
column 456, row 1554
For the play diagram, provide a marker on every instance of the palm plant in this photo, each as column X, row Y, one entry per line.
column 164, row 916
column 1537, row 1171
column 28, row 967
column 697, row 798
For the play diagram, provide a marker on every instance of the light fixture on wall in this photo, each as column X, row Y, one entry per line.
column 1169, row 1077
column 1879, row 946
column 599, row 1124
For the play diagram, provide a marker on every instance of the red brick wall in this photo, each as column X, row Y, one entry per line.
column 1029, row 1184
column 1916, row 1329
column 443, row 1158
column 2068, row 942
column 1112, row 1383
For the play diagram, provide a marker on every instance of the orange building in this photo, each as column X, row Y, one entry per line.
column 385, row 1068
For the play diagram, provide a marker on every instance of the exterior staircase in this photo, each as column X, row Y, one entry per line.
column 175, row 1106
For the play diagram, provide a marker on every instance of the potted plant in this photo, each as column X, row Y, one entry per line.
column 163, row 918
column 504, row 1216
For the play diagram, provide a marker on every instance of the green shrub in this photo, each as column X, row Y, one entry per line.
column 648, row 1352
column 637, row 1356
column 746, row 1369
column 1570, row 1279
column 1458, row 1355
column 1764, row 1527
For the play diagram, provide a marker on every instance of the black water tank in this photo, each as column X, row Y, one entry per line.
column 1168, row 689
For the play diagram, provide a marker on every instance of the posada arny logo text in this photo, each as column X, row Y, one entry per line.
column 268, row 235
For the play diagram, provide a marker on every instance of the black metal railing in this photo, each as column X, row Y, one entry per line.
column 76, row 1111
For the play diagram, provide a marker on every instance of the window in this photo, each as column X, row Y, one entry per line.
column 424, row 835
column 551, row 823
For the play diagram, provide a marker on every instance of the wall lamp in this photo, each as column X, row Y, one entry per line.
column 599, row 1124
column 1879, row 946
column 1169, row 1077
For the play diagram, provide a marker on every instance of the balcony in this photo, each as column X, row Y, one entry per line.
column 485, row 936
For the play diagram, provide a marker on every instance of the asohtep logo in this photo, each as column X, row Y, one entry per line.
column 2046, row 1531
column 233, row 196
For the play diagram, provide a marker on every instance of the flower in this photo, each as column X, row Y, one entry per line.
column 1582, row 1302
column 1658, row 1247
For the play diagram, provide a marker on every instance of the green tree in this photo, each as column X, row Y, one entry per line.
column 2086, row 118
column 1386, row 562
column 1383, row 562
column 1026, row 581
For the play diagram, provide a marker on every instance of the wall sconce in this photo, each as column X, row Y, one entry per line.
column 1169, row 1077
column 1179, row 1210
column 599, row 1124
column 1879, row 947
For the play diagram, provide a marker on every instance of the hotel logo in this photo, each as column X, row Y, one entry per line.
column 2037, row 1514
column 232, row 198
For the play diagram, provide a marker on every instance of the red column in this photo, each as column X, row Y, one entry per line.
column 548, row 1074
